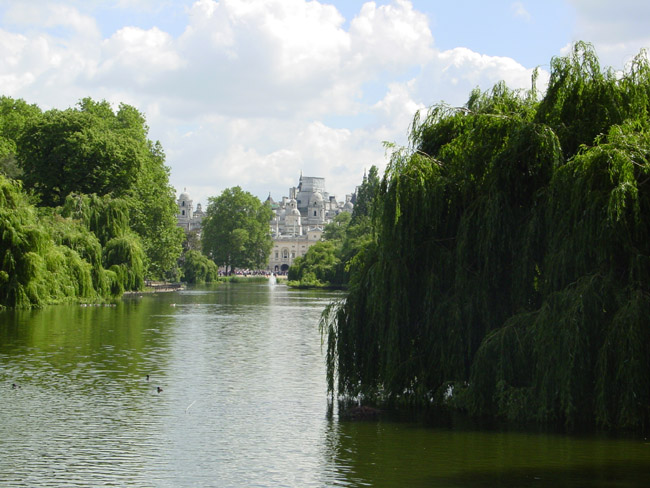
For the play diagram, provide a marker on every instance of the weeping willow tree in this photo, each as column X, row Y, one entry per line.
column 122, row 252
column 198, row 268
column 34, row 269
column 510, row 271
column 84, row 251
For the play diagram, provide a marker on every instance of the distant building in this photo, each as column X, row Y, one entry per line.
column 188, row 218
column 299, row 220
column 297, row 224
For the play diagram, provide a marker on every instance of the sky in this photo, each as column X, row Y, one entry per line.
column 256, row 92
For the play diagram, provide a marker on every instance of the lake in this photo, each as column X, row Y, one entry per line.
column 243, row 404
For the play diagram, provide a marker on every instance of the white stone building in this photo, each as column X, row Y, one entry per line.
column 297, row 224
column 188, row 218
column 299, row 220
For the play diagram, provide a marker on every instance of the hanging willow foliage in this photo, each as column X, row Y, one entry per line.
column 511, row 268
column 198, row 268
column 105, row 216
column 46, row 257
column 125, row 257
column 108, row 219
column 35, row 269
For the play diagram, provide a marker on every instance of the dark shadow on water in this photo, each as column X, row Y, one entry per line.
column 619, row 474
column 441, row 448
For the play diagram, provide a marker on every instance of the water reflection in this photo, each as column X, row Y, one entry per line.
column 244, row 403
column 243, row 400
column 389, row 454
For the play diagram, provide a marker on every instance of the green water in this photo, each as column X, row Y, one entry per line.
column 243, row 404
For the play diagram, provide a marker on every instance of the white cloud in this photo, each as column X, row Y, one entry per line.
column 134, row 54
column 51, row 15
column 397, row 110
column 251, row 92
column 454, row 73
column 519, row 11
column 390, row 37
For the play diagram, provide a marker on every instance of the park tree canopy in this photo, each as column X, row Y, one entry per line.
column 92, row 149
column 510, row 273
column 84, row 251
column 236, row 230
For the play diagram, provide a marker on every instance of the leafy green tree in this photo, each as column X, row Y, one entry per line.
column 335, row 230
column 74, row 151
column 317, row 267
column 47, row 257
column 198, row 268
column 235, row 231
column 92, row 149
column 108, row 219
column 366, row 195
column 153, row 215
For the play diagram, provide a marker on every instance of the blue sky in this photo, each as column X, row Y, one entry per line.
column 252, row 92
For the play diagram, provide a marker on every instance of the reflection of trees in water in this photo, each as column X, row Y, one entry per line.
column 388, row 454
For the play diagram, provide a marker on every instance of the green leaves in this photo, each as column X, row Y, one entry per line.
column 49, row 257
column 197, row 268
column 512, row 256
column 236, row 230
column 93, row 150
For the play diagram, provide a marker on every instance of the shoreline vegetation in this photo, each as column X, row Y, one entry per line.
column 86, row 209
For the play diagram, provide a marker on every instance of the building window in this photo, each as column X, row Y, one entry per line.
column 183, row 204
column 293, row 254
column 285, row 254
column 276, row 255
column 183, row 212
column 314, row 213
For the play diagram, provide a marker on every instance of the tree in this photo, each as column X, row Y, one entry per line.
column 92, row 149
column 74, row 151
column 236, row 230
column 85, row 251
column 198, row 268
column 511, row 260
column 335, row 230
column 366, row 195
column 318, row 266
column 347, row 236
column 153, row 215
